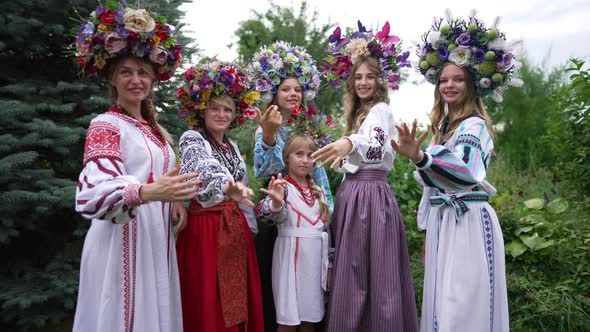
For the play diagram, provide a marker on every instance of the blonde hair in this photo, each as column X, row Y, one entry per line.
column 355, row 112
column 148, row 110
column 468, row 105
column 298, row 141
column 224, row 100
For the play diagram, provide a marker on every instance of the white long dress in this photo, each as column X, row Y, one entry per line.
column 464, row 279
column 300, row 258
column 128, row 274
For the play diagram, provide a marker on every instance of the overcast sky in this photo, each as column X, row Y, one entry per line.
column 551, row 31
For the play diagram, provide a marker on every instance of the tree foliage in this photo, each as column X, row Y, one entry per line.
column 46, row 108
column 521, row 118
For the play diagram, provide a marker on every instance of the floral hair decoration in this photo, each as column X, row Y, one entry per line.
column 271, row 64
column 470, row 44
column 345, row 51
column 215, row 79
column 309, row 121
column 117, row 30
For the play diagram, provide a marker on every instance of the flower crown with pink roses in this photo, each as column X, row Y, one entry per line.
column 345, row 51
column 309, row 121
column 272, row 64
column 215, row 79
column 117, row 30
column 470, row 44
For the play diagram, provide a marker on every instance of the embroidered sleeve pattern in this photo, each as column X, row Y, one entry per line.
column 372, row 136
column 461, row 167
column 268, row 161
column 104, row 190
column 102, row 141
column 268, row 215
column 195, row 157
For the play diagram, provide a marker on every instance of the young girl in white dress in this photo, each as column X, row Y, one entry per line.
column 300, row 259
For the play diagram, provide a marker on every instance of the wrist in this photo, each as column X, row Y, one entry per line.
column 276, row 206
column 145, row 192
column 351, row 144
column 418, row 157
column 269, row 139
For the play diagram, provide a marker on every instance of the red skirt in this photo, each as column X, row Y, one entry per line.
column 196, row 248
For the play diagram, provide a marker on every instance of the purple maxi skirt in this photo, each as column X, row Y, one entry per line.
column 372, row 286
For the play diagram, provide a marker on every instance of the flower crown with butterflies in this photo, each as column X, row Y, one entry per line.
column 309, row 121
column 117, row 30
column 345, row 51
column 214, row 79
column 470, row 44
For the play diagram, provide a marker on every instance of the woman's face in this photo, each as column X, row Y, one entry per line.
column 365, row 82
column 218, row 117
column 133, row 81
column 452, row 87
column 289, row 94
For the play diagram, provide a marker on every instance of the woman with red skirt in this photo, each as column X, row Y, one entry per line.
column 219, row 280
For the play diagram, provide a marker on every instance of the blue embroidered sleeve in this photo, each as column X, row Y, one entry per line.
column 464, row 165
column 268, row 160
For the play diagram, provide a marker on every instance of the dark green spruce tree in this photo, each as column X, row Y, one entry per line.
column 45, row 108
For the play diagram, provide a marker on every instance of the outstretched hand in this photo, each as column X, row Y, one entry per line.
column 333, row 152
column 171, row 187
column 408, row 145
column 239, row 192
column 276, row 190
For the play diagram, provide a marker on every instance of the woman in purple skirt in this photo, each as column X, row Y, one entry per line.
column 372, row 286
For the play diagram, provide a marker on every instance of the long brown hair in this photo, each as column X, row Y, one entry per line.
column 148, row 110
column 293, row 143
column 470, row 104
column 355, row 112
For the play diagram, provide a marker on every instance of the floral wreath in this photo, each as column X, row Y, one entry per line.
column 309, row 121
column 344, row 52
column 470, row 44
column 118, row 30
column 215, row 79
column 271, row 64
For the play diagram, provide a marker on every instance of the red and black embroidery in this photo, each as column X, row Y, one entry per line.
column 102, row 141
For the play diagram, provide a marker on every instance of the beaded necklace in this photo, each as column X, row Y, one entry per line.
column 307, row 194
column 226, row 154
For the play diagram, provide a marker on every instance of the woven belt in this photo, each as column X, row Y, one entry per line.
column 459, row 202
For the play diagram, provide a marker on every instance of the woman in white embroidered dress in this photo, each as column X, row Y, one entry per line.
column 464, row 274
column 464, row 280
column 128, row 274
column 300, row 258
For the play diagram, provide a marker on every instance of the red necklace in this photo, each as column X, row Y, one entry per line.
column 306, row 193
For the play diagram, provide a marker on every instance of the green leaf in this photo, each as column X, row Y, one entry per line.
column 534, row 218
column 516, row 248
column 544, row 228
column 544, row 245
column 523, row 230
column 535, row 203
column 557, row 206
column 532, row 240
